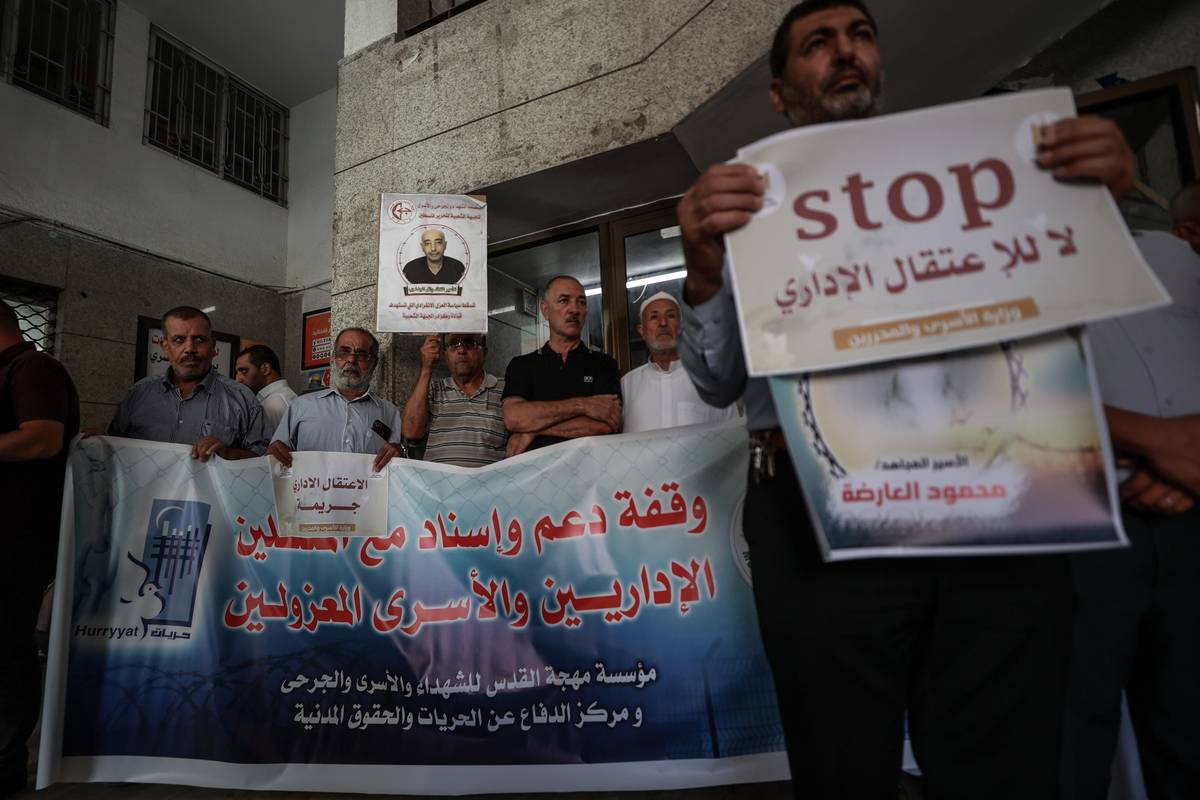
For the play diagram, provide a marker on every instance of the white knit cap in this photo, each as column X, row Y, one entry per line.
column 659, row 296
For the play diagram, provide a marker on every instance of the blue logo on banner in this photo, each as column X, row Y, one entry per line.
column 176, row 537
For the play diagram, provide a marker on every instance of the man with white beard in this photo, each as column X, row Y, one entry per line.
column 659, row 393
column 345, row 418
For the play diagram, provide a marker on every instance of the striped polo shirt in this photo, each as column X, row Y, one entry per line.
column 466, row 431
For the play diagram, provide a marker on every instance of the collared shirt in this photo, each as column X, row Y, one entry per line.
column 1150, row 362
column 219, row 406
column 467, row 431
column 275, row 399
column 710, row 347
column 329, row 423
column 657, row 398
column 543, row 375
column 34, row 386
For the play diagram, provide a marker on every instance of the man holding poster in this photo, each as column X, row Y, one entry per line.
column 973, row 649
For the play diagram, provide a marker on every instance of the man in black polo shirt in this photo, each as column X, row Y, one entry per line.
column 566, row 389
column 39, row 416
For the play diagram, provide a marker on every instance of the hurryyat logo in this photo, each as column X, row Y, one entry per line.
column 176, row 538
column 153, row 597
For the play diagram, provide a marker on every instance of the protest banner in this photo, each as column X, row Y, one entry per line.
column 991, row 451
column 577, row 618
column 868, row 251
column 432, row 264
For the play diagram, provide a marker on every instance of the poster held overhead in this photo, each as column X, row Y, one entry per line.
column 432, row 264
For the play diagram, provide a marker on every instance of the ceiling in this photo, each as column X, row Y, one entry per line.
column 288, row 49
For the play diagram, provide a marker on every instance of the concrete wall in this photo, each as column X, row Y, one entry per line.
column 368, row 21
column 310, row 223
column 103, row 290
column 310, row 191
column 64, row 167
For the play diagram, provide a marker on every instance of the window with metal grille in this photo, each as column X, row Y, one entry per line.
column 198, row 111
column 62, row 50
column 256, row 142
column 184, row 94
column 36, row 308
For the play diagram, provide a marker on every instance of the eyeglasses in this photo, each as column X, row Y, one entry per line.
column 463, row 344
column 345, row 354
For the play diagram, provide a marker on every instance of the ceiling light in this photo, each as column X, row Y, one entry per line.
column 649, row 280
column 652, row 279
column 209, row 309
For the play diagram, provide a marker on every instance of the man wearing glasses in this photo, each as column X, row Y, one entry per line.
column 346, row 418
column 461, row 414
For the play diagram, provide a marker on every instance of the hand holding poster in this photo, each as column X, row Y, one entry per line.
column 860, row 256
column 432, row 264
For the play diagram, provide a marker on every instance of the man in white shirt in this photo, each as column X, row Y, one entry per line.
column 257, row 368
column 659, row 394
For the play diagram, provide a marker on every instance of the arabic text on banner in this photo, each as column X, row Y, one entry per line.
column 992, row 451
column 526, row 625
column 410, row 298
column 868, row 251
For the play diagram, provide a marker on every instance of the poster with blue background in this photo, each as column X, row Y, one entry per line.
column 578, row 617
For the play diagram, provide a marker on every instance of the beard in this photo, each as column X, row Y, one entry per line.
column 659, row 346
column 350, row 377
column 826, row 106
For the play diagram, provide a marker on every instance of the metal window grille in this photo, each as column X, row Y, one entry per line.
column 36, row 309
column 199, row 112
column 183, row 103
column 256, row 140
column 63, row 50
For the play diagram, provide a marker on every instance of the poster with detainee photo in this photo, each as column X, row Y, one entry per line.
column 432, row 264
column 998, row 450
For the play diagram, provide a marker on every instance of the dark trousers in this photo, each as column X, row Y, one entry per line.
column 1138, row 629
column 23, row 579
column 974, row 648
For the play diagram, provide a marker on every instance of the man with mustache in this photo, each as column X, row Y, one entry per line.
column 192, row 403
column 566, row 389
column 975, row 649
column 659, row 394
column 347, row 417
column 460, row 415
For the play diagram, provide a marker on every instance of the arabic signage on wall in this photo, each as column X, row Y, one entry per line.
column 317, row 338
column 526, row 625
column 432, row 264
column 990, row 451
column 859, row 256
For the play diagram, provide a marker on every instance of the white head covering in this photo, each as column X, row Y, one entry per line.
column 659, row 296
